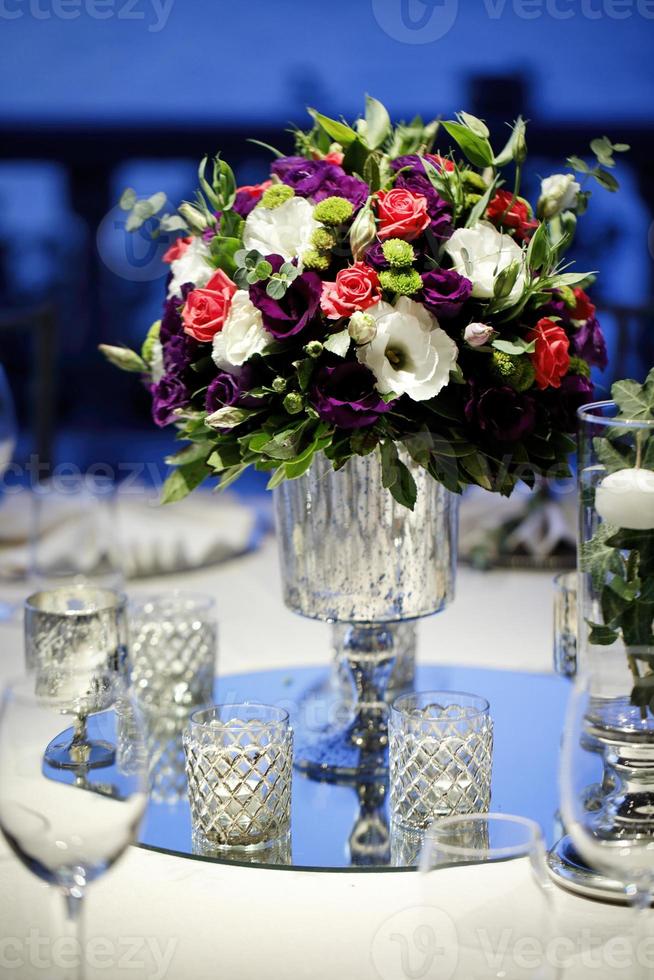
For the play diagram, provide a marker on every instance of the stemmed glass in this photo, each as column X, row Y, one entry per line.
column 494, row 863
column 67, row 827
column 609, row 742
column 8, row 437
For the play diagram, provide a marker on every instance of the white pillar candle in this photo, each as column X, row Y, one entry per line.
column 626, row 498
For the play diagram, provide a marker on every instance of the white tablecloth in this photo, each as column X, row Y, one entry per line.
column 213, row 921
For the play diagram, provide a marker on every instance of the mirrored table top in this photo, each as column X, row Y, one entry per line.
column 345, row 827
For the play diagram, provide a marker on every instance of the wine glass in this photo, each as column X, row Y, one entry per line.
column 8, row 438
column 67, row 827
column 490, row 869
column 614, row 832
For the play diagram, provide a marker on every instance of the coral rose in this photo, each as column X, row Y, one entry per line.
column 355, row 288
column 402, row 214
column 205, row 310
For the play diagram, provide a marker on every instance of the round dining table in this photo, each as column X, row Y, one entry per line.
column 168, row 917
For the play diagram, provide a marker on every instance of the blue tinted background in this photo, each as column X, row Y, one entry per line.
column 97, row 94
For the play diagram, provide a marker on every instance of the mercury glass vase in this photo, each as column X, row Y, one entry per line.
column 351, row 554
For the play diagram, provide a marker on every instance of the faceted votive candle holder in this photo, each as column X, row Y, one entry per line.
column 440, row 756
column 239, row 764
column 174, row 640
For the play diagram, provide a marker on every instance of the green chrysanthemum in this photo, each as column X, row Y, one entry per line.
column 323, row 239
column 316, row 260
column 517, row 371
column 404, row 282
column 276, row 195
column 333, row 211
column 579, row 366
column 293, row 403
column 398, row 253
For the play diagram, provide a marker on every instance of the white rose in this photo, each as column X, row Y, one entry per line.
column 285, row 230
column 558, row 193
column 480, row 253
column 242, row 335
column 192, row 266
column 410, row 354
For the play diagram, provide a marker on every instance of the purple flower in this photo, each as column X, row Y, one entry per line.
column 178, row 354
column 375, row 257
column 501, row 413
column 416, row 180
column 588, row 341
column 167, row 395
column 345, row 396
column 289, row 315
column 563, row 402
column 444, row 292
column 223, row 390
column 319, row 179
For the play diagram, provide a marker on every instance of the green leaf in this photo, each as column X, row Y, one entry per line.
column 601, row 635
column 517, row 346
column 600, row 559
column 338, row 343
column 378, row 123
column 338, row 131
column 634, row 401
column 276, row 288
column 609, row 455
column 576, row 163
column 223, row 252
column 606, row 180
column 230, row 475
column 267, row 146
column 189, row 454
column 124, row 358
column 476, row 148
column 479, row 209
column 224, row 457
column 183, row 480
column 364, row 441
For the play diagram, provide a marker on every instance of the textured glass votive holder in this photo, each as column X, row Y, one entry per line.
column 565, row 624
column 239, row 764
column 174, row 639
column 440, row 754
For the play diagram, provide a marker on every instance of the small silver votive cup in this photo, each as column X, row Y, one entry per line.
column 440, row 756
column 174, row 638
column 239, row 764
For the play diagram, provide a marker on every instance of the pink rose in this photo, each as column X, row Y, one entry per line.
column 401, row 213
column 335, row 157
column 355, row 288
column 205, row 310
column 177, row 249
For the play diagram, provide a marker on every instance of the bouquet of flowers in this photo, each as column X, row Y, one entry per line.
column 374, row 295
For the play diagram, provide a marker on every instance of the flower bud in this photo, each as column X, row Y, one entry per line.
column 227, row 417
column 279, row 384
column 477, row 334
column 558, row 193
column 362, row 327
column 363, row 232
column 193, row 217
column 314, row 348
column 293, row 403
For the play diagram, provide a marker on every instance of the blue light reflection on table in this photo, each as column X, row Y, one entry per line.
column 528, row 711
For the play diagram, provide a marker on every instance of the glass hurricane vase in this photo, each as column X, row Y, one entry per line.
column 615, row 639
column 350, row 554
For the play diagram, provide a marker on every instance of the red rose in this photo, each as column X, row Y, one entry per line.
column 254, row 190
column 402, row 214
column 355, row 288
column 205, row 310
column 441, row 162
column 177, row 249
column 584, row 309
column 508, row 212
column 551, row 358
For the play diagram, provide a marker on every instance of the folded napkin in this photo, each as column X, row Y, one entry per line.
column 58, row 534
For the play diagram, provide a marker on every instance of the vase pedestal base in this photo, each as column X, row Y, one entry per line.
column 569, row 870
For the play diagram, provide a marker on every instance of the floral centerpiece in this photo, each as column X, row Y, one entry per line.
column 375, row 293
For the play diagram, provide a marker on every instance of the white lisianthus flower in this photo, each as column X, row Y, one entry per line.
column 410, row 354
column 157, row 369
column 480, row 253
column 242, row 335
column 285, row 230
column 558, row 193
column 192, row 266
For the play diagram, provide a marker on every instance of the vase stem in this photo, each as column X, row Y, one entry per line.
column 370, row 653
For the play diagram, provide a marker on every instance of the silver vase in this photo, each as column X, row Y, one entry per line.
column 351, row 554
